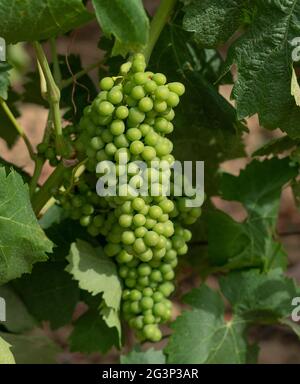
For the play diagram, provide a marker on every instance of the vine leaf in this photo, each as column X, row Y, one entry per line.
column 35, row 20
column 201, row 335
column 262, row 54
column 276, row 146
column 49, row 293
column 22, row 241
column 259, row 297
column 250, row 243
column 198, row 12
column 34, row 348
column 91, row 334
column 6, row 357
column 96, row 274
column 136, row 356
column 18, row 319
column 126, row 21
column 205, row 124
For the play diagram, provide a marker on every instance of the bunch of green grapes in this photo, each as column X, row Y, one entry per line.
column 145, row 232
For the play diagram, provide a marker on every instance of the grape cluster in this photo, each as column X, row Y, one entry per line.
column 145, row 233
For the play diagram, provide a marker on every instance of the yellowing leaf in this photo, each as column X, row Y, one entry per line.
column 295, row 89
column 6, row 357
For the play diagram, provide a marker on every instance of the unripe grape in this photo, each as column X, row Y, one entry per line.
column 159, row 78
column 177, row 88
column 133, row 134
column 106, row 83
column 121, row 112
column 106, row 108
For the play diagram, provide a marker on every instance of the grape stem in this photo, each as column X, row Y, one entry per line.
column 46, row 191
column 53, row 95
column 39, row 163
column 18, row 127
column 158, row 22
column 56, row 67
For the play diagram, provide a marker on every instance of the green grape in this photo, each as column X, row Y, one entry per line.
column 148, row 153
column 115, row 96
column 106, row 83
column 139, row 220
column 151, row 238
column 177, row 88
column 145, row 104
column 117, row 127
column 106, row 108
column 128, row 237
column 125, row 220
column 173, row 99
column 144, row 235
column 121, row 141
column 96, row 143
column 162, row 93
column 139, row 246
column 159, row 78
column 137, row 92
column 140, row 78
column 136, row 147
column 136, row 116
column 150, row 86
column 122, row 112
column 146, row 303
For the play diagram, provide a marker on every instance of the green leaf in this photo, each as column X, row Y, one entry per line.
column 91, row 334
column 96, row 274
column 22, row 241
column 214, row 32
column 259, row 186
column 259, row 297
column 18, row 319
column 276, row 146
column 202, row 336
column 6, row 357
column 206, row 127
column 262, row 55
column 251, row 243
column 9, row 166
column 4, row 80
column 35, row 348
column 62, row 235
column 49, row 293
column 136, row 356
column 126, row 21
column 34, row 20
